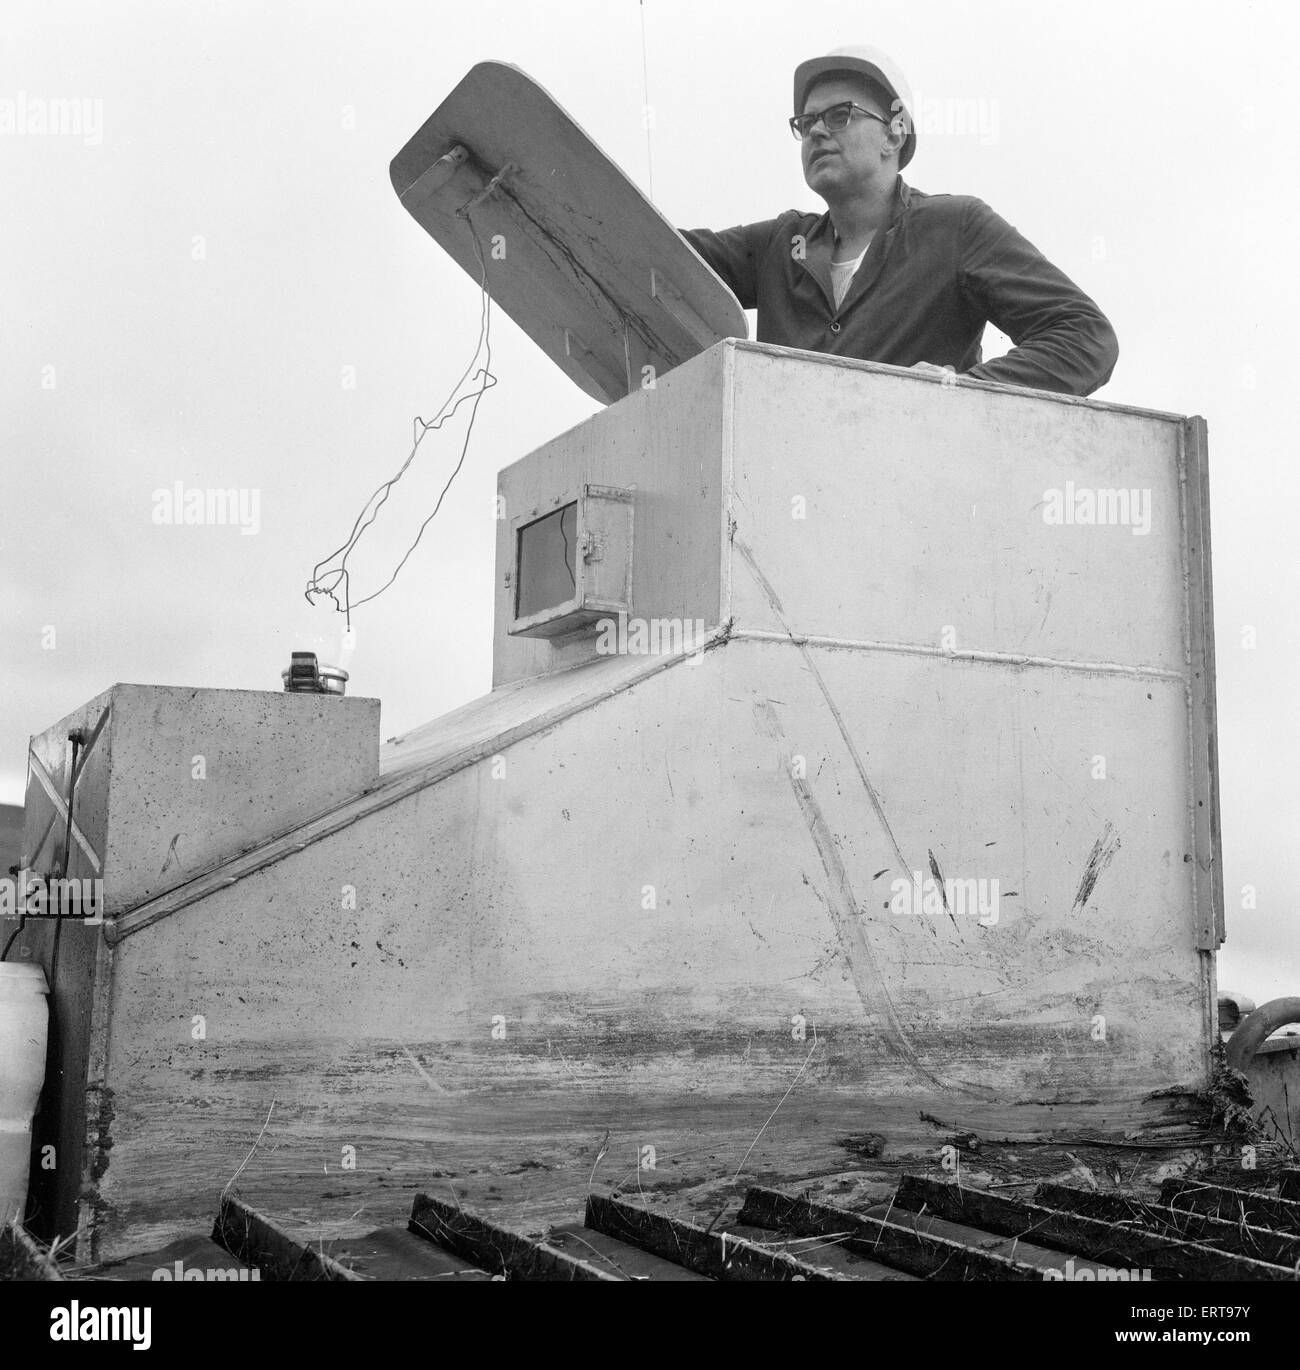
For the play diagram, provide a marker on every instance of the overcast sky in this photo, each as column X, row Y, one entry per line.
column 189, row 286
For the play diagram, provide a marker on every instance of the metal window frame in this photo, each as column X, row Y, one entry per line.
column 604, row 516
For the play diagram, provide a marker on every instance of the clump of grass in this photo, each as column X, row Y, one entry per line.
column 1231, row 1109
column 1229, row 1100
column 24, row 1257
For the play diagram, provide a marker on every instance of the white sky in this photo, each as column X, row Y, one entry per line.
column 1150, row 149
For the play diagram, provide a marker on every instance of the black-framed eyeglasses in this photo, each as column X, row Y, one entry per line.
column 835, row 117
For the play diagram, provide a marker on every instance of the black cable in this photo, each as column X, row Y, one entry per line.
column 386, row 487
column 22, row 919
column 75, row 739
column 489, row 380
column 564, row 538
column 341, row 574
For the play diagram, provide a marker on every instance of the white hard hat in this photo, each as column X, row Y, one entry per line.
column 876, row 66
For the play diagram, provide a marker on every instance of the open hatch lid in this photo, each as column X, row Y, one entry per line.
column 584, row 263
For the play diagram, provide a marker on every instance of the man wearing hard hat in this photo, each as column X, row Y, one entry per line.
column 891, row 274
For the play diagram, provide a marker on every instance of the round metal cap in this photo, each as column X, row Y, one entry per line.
column 329, row 680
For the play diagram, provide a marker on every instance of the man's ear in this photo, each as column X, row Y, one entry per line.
column 898, row 127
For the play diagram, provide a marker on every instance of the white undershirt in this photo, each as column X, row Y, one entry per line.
column 842, row 274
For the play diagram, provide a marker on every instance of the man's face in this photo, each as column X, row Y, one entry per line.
column 839, row 162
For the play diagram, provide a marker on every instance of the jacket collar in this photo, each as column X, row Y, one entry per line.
column 821, row 248
column 901, row 202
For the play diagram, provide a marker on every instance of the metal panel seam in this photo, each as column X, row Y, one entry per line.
column 95, row 1141
column 1184, row 554
column 1202, row 713
column 959, row 654
column 964, row 382
column 728, row 474
column 335, row 820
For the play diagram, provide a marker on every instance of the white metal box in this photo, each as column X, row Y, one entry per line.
column 171, row 781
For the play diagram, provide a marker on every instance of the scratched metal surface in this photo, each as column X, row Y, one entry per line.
column 923, row 509
column 678, row 902
column 519, row 899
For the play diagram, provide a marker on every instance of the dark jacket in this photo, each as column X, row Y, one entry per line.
column 944, row 266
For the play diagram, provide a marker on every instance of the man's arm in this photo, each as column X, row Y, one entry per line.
column 733, row 254
column 1063, row 342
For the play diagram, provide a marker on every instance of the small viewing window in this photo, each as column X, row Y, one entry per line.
column 546, row 553
column 573, row 565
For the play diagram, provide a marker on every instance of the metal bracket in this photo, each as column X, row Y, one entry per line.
column 675, row 304
column 578, row 354
column 506, row 169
